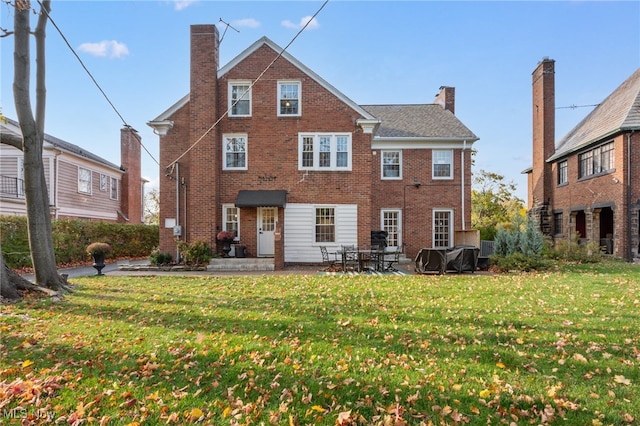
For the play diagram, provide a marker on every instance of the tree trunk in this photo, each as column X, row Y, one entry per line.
column 10, row 283
column 35, row 188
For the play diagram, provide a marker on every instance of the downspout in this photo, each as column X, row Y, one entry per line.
column 184, row 200
column 177, row 205
column 629, row 214
column 56, row 185
column 464, row 147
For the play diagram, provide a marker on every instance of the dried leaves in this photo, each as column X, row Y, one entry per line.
column 539, row 349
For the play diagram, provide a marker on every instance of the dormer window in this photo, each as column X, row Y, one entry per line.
column 289, row 98
column 240, row 99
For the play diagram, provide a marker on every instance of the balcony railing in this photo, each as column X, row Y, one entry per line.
column 11, row 187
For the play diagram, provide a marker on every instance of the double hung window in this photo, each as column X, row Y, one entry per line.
column 231, row 219
column 289, row 98
column 325, row 225
column 442, row 164
column 234, row 151
column 84, row 180
column 114, row 189
column 240, row 99
column 391, row 164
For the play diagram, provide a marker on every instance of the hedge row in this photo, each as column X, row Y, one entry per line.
column 72, row 236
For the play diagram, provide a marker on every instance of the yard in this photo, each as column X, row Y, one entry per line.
column 550, row 348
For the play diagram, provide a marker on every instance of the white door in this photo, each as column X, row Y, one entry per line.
column 266, row 229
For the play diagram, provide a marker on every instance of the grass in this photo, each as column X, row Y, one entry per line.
column 547, row 348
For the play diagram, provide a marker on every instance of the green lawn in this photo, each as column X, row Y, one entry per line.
column 548, row 348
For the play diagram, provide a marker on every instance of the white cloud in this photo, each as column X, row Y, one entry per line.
column 105, row 49
column 313, row 23
column 182, row 4
column 247, row 23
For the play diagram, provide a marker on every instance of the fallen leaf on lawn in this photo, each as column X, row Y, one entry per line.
column 27, row 363
column 485, row 393
column 622, row 380
column 195, row 414
column 344, row 418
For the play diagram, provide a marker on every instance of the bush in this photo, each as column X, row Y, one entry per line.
column 157, row 259
column 195, row 253
column 573, row 251
column 519, row 247
column 72, row 236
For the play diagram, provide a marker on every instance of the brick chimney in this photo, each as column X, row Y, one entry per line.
column 199, row 171
column 131, row 188
column 447, row 98
column 544, row 103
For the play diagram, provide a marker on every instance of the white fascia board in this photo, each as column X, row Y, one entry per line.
column 422, row 143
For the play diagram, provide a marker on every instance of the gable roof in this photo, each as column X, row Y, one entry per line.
column 620, row 111
column 13, row 127
column 420, row 121
column 265, row 41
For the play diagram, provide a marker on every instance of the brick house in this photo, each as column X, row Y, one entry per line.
column 587, row 184
column 80, row 184
column 265, row 147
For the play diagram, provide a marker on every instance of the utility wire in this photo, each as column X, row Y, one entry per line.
column 577, row 106
column 213, row 126
column 124, row 122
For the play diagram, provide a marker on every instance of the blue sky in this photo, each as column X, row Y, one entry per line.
column 375, row 52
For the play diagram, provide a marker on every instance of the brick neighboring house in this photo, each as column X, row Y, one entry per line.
column 587, row 184
column 80, row 184
column 295, row 164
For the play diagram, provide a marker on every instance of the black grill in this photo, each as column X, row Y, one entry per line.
column 379, row 238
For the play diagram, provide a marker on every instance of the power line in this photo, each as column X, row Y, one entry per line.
column 213, row 126
column 573, row 106
column 124, row 122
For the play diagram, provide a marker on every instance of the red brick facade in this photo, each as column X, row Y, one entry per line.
column 202, row 186
column 602, row 207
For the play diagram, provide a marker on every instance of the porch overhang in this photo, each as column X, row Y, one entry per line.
column 261, row 198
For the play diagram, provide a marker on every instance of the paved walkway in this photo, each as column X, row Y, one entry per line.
column 111, row 269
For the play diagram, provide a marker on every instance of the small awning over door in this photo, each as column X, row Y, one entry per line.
column 264, row 198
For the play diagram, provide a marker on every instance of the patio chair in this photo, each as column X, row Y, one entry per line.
column 390, row 260
column 329, row 259
column 350, row 258
column 377, row 257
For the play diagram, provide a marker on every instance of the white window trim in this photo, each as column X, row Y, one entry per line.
column 224, row 219
column 90, row 180
column 433, row 163
column 280, row 83
column 399, row 213
column 249, row 96
column 382, row 176
column 117, row 188
column 433, row 226
column 224, row 150
column 316, row 152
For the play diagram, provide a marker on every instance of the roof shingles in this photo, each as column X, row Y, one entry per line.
column 618, row 112
column 418, row 121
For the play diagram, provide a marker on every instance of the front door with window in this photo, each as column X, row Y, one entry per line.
column 267, row 217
